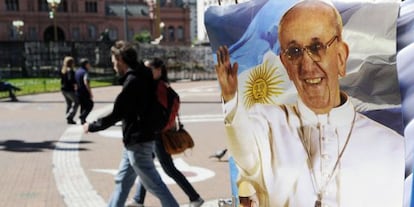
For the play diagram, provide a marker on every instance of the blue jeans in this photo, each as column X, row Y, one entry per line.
column 137, row 160
column 170, row 169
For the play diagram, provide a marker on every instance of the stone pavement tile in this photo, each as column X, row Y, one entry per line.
column 28, row 131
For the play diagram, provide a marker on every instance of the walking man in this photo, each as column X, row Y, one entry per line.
column 133, row 107
column 84, row 91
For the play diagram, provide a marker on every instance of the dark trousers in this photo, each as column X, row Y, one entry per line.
column 4, row 86
column 86, row 105
column 72, row 104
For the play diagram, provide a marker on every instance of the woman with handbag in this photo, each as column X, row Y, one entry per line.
column 159, row 72
column 132, row 106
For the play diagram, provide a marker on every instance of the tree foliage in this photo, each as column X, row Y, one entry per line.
column 143, row 37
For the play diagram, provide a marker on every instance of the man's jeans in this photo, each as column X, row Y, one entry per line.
column 169, row 168
column 137, row 160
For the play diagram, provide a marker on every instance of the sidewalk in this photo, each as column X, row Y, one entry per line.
column 48, row 163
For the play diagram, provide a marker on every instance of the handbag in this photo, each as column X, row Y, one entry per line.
column 176, row 140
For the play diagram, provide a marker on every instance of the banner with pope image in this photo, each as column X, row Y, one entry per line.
column 250, row 29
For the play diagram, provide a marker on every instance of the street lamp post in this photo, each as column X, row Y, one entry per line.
column 126, row 20
column 158, row 25
column 158, row 39
column 18, row 24
column 54, row 4
column 162, row 25
column 157, row 19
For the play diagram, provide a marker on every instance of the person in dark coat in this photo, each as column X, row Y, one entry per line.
column 68, row 87
column 159, row 71
column 133, row 107
column 84, row 91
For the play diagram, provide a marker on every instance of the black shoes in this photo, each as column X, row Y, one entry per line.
column 70, row 121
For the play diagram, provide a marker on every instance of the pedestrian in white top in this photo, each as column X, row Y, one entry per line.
column 319, row 151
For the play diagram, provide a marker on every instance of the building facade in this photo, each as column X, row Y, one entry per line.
column 92, row 20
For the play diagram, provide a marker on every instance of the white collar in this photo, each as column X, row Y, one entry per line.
column 338, row 116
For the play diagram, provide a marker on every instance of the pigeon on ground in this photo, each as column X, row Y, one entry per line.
column 219, row 154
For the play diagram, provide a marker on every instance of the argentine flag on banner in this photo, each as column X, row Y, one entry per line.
column 373, row 82
column 249, row 29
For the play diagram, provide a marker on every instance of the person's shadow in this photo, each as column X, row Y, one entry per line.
column 22, row 146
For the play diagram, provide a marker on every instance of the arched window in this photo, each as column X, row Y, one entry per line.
column 63, row 6
column 162, row 3
column 12, row 5
column 12, row 33
column 113, row 33
column 180, row 33
column 75, row 34
column 32, row 33
column 91, row 7
column 43, row 6
column 171, row 34
column 179, row 3
column 92, row 32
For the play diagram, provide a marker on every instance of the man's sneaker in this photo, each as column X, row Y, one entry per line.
column 133, row 203
column 70, row 121
column 196, row 203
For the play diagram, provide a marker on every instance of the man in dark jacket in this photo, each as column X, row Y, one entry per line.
column 84, row 91
column 133, row 107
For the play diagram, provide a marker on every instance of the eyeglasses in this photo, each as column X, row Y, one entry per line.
column 315, row 51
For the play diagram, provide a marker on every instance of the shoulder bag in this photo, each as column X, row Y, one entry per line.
column 176, row 140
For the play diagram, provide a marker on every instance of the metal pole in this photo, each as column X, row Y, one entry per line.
column 125, row 20
column 157, row 19
column 54, row 25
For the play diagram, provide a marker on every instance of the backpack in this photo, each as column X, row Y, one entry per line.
column 167, row 105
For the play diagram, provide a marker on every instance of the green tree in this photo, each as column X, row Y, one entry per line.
column 143, row 37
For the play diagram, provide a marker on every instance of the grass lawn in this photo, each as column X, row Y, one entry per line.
column 44, row 85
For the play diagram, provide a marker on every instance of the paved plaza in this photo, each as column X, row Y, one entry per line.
column 45, row 162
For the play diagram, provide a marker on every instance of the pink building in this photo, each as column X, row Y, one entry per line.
column 86, row 20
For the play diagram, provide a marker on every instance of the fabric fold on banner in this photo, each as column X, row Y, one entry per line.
column 405, row 24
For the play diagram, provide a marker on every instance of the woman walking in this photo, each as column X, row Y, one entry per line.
column 159, row 72
column 68, row 88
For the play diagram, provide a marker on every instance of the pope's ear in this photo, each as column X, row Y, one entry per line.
column 284, row 63
column 343, row 53
column 282, row 59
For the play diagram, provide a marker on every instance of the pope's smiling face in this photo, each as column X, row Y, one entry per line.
column 316, row 78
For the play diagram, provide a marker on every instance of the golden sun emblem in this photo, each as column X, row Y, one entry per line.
column 263, row 83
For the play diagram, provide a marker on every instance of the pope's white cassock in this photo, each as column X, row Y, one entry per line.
column 291, row 155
